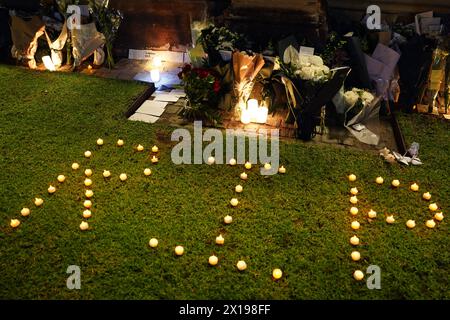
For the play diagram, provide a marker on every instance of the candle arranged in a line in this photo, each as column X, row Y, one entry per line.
column 238, row 188
column 234, row 202
column 243, row 176
column 220, row 240
column 410, row 224
column 75, row 166
column 277, row 273
column 25, row 212
column 352, row 177
column 211, row 160
column 241, row 265
column 248, row 165
column 426, row 196
column 140, row 148
column 61, row 178
column 106, row 173
column 51, row 189
column 379, row 180
column 372, row 214
column 147, row 172
column 38, row 202
column 100, row 141
column 227, row 219
column 232, row 162
column 155, row 149
column 179, row 250
column 356, row 256
column 414, row 187
column 282, row 170
column 439, row 216
column 358, row 275
column 153, row 242
column 213, row 260
column 390, row 219
column 120, row 143
column 395, row 183
column 88, row 154
column 84, row 226
column 123, row 177
column 14, row 223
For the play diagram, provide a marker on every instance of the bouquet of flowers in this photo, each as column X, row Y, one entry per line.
column 108, row 21
column 203, row 91
column 355, row 100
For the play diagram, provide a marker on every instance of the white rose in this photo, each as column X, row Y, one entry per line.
column 350, row 98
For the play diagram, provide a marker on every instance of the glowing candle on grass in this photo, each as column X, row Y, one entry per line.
column 356, row 256
column 277, row 273
column 238, row 188
column 38, row 202
column 414, row 187
column 354, row 211
column 25, row 212
column 89, row 193
column 87, row 182
column 153, row 242
column 123, row 177
column 88, row 154
column 410, row 224
column 234, row 202
column 179, row 250
column 88, row 172
column 243, row 176
column 358, row 275
column 155, row 149
column 430, row 223
column 140, row 148
column 395, row 183
column 379, row 180
column 220, row 240
column 14, row 223
column 211, row 160
column 241, row 265
column 439, row 216
column 252, row 108
column 87, row 214
column 75, row 166
column 354, row 191
column 120, row 143
column 147, row 172
column 433, row 207
column 87, row 204
column 213, row 260
column 232, row 162
column 227, row 219
column 84, row 226
column 267, row 166
column 51, row 189
column 426, row 196
column 351, row 177
column 282, row 170
column 355, row 225
column 353, row 200
column 390, row 219
column 100, row 142
column 106, row 173
column 154, row 160
column 354, row 240
column 61, row 178
column 248, row 165
column 372, row 214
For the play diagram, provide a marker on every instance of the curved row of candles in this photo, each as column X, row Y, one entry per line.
column 410, row 224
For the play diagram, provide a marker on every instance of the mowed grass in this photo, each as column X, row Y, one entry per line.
column 298, row 222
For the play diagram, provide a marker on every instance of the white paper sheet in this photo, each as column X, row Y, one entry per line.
column 143, row 117
column 151, row 107
column 167, row 97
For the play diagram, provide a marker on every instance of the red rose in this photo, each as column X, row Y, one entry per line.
column 216, row 86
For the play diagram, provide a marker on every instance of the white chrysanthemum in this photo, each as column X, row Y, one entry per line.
column 350, row 98
column 367, row 97
column 316, row 60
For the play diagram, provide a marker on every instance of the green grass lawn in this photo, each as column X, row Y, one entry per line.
column 298, row 222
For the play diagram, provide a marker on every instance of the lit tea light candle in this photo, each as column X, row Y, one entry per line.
column 248, row 165
column 354, row 240
column 25, row 212
column 430, row 223
column 51, row 189
column 123, row 177
column 88, row 154
column 120, row 143
column 84, row 226
column 390, row 219
column 277, row 274
column 395, row 183
column 220, row 240
column 147, row 172
column 100, row 142
column 179, row 250
column 227, row 219
column 14, row 223
column 89, row 193
column 439, row 216
column 238, row 188
column 372, row 214
column 232, row 162
column 140, row 148
column 154, row 159
column 211, row 160
column 87, row 214
column 241, row 265
column 410, row 224
column 379, row 180
column 358, row 275
column 87, row 204
column 213, row 260
column 155, row 75
column 351, row 177
column 75, row 166
column 433, row 207
column 153, row 242
column 243, row 176
column 353, row 200
column 282, row 170
column 426, row 196
column 356, row 256
column 414, row 187
column 106, row 173
column 234, row 202
column 61, row 178
column 38, row 202
column 355, row 225
column 354, row 191
column 88, row 172
column 354, row 211
column 87, row 182
column 155, row 149
column 267, row 166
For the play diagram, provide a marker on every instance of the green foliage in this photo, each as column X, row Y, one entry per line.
column 298, row 222
column 215, row 38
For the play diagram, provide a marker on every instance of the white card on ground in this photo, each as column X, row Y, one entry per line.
column 152, row 107
column 165, row 97
column 143, row 117
column 178, row 92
